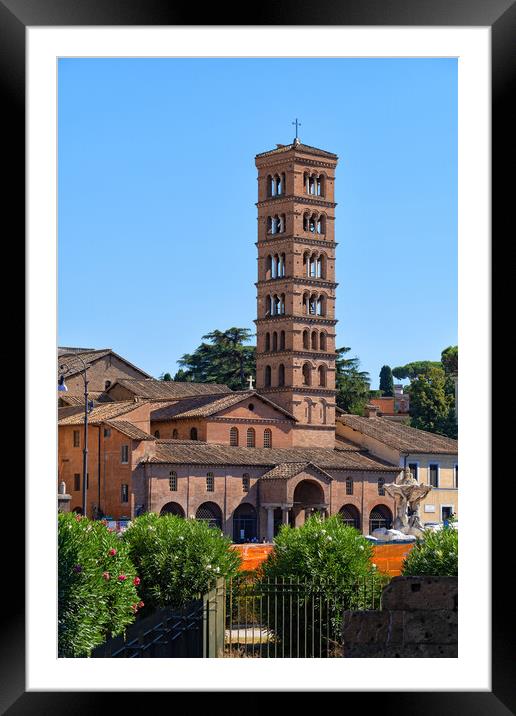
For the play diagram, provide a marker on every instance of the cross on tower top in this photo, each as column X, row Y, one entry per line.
column 298, row 124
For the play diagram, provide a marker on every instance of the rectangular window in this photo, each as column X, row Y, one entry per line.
column 414, row 469
column 76, row 482
column 172, row 481
column 245, row 483
column 125, row 454
column 107, row 432
column 124, row 496
column 433, row 475
column 349, row 486
column 77, row 438
column 210, row 482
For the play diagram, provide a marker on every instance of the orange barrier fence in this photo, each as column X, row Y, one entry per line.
column 387, row 557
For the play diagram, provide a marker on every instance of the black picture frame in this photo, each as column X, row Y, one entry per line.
column 500, row 16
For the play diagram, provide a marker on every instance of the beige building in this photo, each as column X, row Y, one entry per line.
column 432, row 459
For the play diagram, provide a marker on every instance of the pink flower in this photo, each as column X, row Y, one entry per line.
column 141, row 604
column 106, row 575
column 112, row 552
column 122, row 577
column 134, row 607
column 136, row 581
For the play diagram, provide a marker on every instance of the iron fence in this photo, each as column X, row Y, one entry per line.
column 292, row 618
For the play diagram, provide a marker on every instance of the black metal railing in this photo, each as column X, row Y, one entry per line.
column 292, row 618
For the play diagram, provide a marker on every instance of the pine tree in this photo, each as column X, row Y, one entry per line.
column 386, row 381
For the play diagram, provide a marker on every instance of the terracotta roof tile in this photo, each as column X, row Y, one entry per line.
column 204, row 406
column 170, row 452
column 306, row 148
column 400, row 436
column 99, row 414
column 168, row 389
column 127, row 428
column 78, row 398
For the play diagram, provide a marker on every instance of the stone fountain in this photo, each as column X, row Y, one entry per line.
column 407, row 493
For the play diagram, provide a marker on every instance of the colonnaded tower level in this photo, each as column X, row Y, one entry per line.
column 295, row 359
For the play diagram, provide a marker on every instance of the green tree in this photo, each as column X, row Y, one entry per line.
column 450, row 360
column 412, row 370
column 436, row 555
column 386, row 381
column 431, row 403
column 224, row 359
column 351, row 383
column 97, row 585
column 165, row 376
column 177, row 559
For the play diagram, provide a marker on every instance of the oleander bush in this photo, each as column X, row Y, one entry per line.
column 436, row 555
column 318, row 570
column 97, row 588
column 177, row 559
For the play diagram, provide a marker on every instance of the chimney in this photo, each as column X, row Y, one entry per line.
column 370, row 411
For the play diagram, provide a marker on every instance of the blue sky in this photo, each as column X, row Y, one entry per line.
column 157, row 191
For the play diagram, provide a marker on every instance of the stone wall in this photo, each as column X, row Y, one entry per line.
column 418, row 618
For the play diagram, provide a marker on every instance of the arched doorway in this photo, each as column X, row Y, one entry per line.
column 380, row 516
column 172, row 508
column 350, row 516
column 308, row 499
column 210, row 513
column 244, row 523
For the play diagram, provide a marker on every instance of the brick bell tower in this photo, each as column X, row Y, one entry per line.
column 295, row 359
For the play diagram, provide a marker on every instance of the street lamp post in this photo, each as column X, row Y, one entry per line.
column 61, row 386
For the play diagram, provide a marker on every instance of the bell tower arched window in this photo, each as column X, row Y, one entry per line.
column 307, row 374
column 268, row 375
column 281, row 375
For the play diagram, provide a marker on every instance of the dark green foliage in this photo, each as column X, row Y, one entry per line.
column 414, row 369
column 225, row 359
column 177, row 559
column 351, row 383
column 450, row 360
column 436, row 555
column 93, row 603
column 325, row 567
column 432, row 403
column 165, row 376
column 386, row 381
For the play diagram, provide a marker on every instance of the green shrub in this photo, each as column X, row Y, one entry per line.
column 177, row 559
column 317, row 571
column 97, row 595
column 436, row 555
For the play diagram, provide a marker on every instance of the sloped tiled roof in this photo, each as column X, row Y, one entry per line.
column 305, row 148
column 170, row 452
column 100, row 413
column 78, row 398
column 69, row 357
column 399, row 436
column 287, row 470
column 153, row 389
column 203, row 407
column 127, row 428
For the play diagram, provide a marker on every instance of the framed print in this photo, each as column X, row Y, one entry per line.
column 140, row 127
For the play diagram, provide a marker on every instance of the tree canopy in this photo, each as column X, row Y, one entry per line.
column 386, row 381
column 351, row 383
column 222, row 357
column 412, row 370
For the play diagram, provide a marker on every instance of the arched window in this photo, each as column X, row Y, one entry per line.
column 306, row 339
column 251, row 437
column 380, row 516
column 282, row 341
column 175, row 434
column 233, row 437
column 281, row 374
column 193, row 434
column 307, row 374
column 320, row 306
column 172, row 481
column 268, row 375
column 274, row 341
column 156, row 434
column 312, row 272
column 314, row 340
column 267, row 438
column 313, row 306
column 381, row 486
column 267, row 342
column 172, row 508
column 350, row 516
column 306, row 222
column 349, row 485
column 210, row 513
column 322, row 375
column 281, row 265
column 312, row 223
column 322, row 341
column 320, row 272
column 269, row 185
